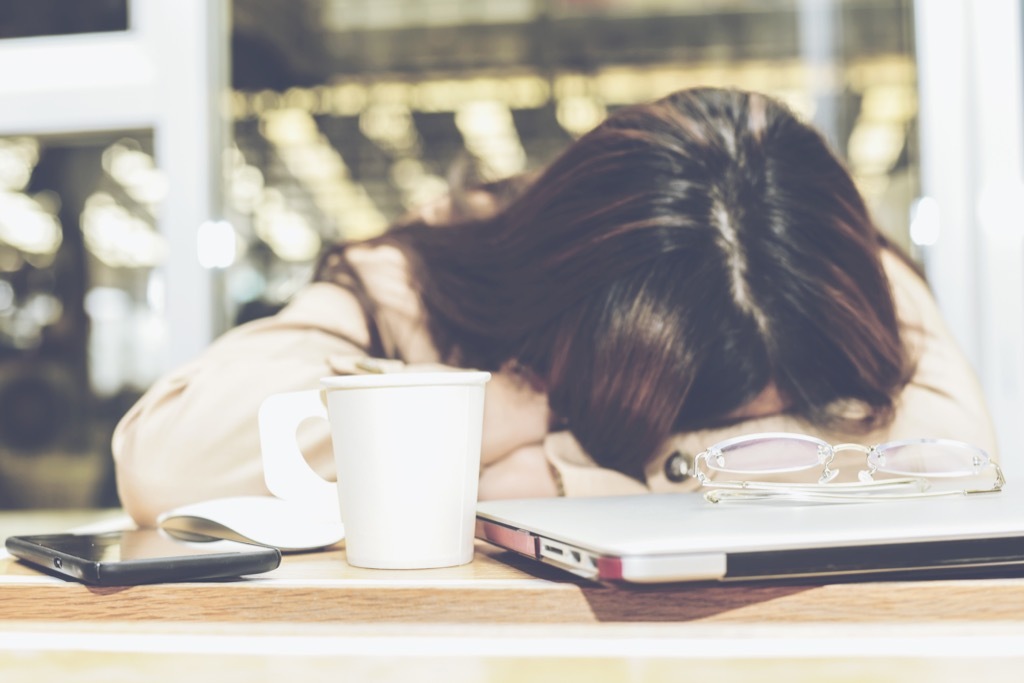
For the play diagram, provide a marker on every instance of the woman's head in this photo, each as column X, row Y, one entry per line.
column 667, row 269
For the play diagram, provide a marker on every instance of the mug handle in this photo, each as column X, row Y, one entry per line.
column 286, row 471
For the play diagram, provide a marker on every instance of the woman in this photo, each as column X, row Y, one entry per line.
column 694, row 268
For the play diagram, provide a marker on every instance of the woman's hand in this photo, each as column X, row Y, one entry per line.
column 523, row 473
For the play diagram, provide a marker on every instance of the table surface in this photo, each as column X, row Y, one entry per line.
column 498, row 618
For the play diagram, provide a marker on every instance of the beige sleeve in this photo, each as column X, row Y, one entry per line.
column 579, row 475
column 193, row 435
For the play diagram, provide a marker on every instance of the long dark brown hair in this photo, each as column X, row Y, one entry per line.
column 666, row 269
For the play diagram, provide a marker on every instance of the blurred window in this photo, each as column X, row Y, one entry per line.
column 79, row 334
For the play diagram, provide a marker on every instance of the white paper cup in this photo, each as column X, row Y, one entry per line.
column 407, row 450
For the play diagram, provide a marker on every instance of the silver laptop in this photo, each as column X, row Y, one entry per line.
column 661, row 538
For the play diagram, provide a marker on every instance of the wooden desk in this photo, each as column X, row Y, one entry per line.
column 501, row 619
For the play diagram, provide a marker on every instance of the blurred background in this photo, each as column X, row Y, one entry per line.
column 171, row 168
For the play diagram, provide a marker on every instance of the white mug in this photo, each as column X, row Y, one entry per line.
column 407, row 449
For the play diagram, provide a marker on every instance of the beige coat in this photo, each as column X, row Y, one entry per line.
column 193, row 435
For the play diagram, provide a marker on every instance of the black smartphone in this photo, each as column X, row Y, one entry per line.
column 120, row 558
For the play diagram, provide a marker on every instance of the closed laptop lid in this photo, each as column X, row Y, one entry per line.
column 681, row 537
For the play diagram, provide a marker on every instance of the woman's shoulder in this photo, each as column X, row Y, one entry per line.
column 384, row 272
column 384, row 275
column 916, row 306
column 334, row 305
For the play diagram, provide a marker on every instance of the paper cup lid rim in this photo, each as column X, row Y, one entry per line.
column 405, row 379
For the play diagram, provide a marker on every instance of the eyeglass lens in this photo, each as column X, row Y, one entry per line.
column 928, row 459
column 768, row 454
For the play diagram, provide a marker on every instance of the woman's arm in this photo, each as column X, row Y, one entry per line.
column 524, row 473
column 193, row 436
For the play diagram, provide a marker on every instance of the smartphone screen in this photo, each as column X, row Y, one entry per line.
column 142, row 556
